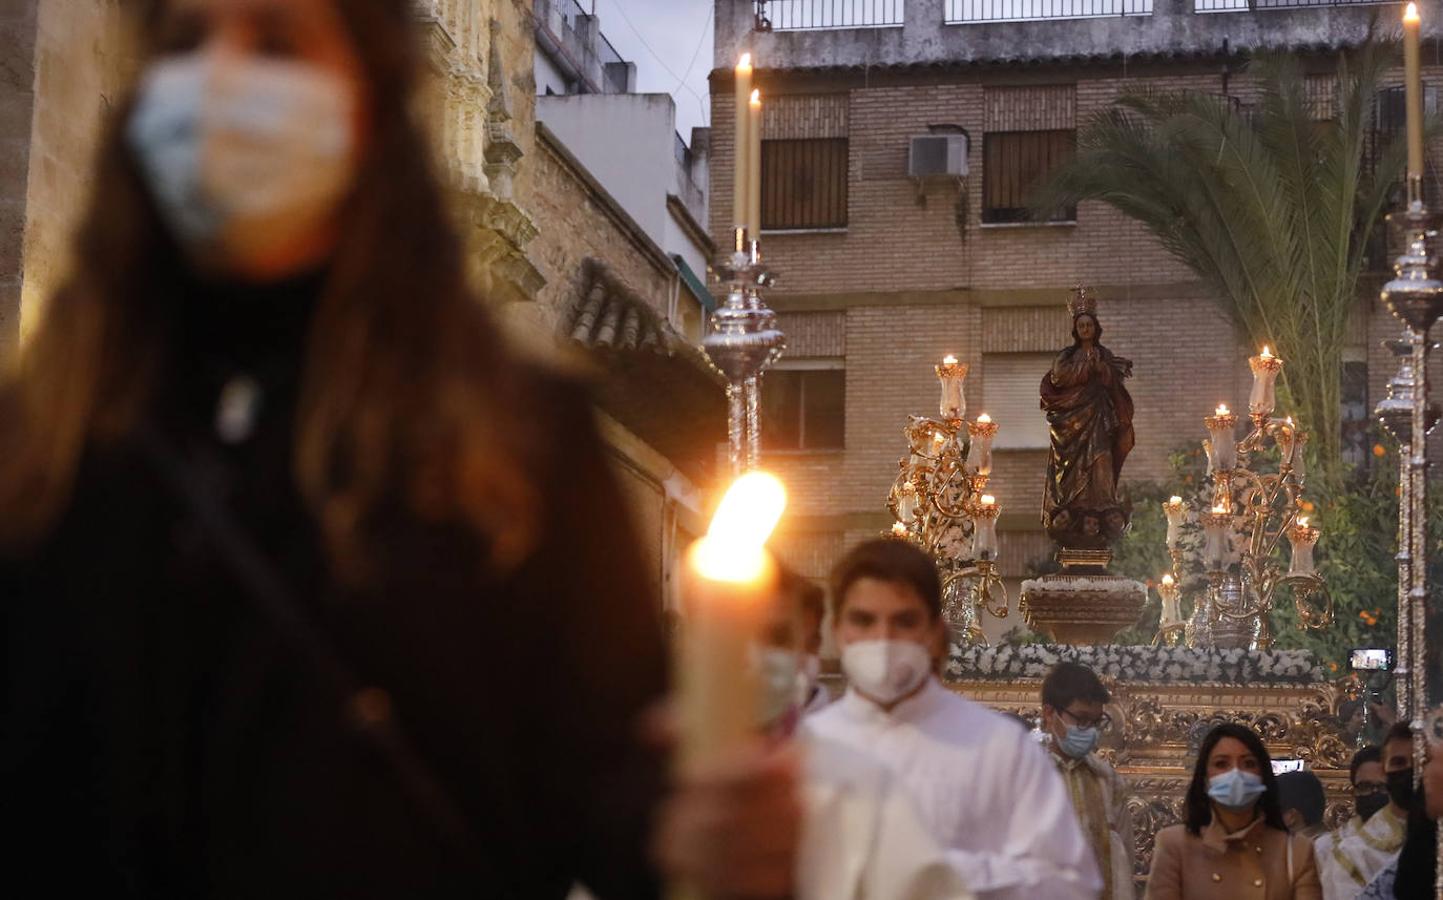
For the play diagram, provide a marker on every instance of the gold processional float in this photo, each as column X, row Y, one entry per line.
column 1216, row 665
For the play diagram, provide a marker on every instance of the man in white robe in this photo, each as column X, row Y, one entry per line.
column 861, row 837
column 986, row 791
column 1353, row 855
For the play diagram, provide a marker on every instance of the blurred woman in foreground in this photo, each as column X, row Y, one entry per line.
column 1234, row 841
column 308, row 587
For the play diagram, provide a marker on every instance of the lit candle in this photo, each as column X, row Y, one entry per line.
column 1265, row 368
column 1176, row 512
column 899, row 530
column 984, row 528
column 740, row 189
column 1413, row 81
column 1303, row 537
column 754, row 166
column 1171, row 611
column 730, row 581
column 1220, row 429
column 1215, row 526
column 982, row 431
column 1291, row 442
column 907, row 502
column 951, row 374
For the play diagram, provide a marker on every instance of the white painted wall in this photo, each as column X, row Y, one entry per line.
column 548, row 75
column 627, row 142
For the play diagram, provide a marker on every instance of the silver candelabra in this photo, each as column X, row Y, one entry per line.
column 1415, row 297
column 743, row 343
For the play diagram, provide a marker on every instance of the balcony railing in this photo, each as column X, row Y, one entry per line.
column 1212, row 6
column 814, row 15
column 967, row 12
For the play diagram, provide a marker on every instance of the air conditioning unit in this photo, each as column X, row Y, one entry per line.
column 937, row 155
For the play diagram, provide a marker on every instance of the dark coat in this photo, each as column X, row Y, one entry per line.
column 158, row 737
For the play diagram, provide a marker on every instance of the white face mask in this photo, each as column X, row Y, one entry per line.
column 243, row 155
column 779, row 678
column 886, row 670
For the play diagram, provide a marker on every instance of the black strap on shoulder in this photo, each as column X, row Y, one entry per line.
column 366, row 707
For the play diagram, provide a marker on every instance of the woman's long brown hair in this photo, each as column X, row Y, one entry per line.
column 408, row 395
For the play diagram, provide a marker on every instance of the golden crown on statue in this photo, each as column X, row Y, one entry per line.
column 1081, row 302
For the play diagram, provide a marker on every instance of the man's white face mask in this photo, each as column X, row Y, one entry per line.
column 886, row 670
column 243, row 155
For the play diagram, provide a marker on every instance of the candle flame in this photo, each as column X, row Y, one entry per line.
column 1174, row 500
column 745, row 62
column 1410, row 13
column 733, row 549
column 983, row 419
column 1267, row 354
column 1167, row 580
column 756, row 97
column 1220, row 509
column 1222, row 409
column 989, row 500
column 899, row 529
column 949, row 360
column 1302, row 521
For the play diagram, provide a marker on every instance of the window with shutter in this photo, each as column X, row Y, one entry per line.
column 804, row 408
column 1013, row 162
column 1011, row 395
column 805, row 154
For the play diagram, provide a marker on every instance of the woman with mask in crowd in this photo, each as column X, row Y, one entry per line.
column 309, row 586
column 1234, row 842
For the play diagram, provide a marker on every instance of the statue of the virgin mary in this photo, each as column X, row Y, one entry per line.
column 1089, row 414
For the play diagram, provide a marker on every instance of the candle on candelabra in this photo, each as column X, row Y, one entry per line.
column 1413, row 89
column 1171, row 612
column 1220, row 427
column 1216, row 523
column 1291, row 442
column 742, row 80
column 730, row 578
column 1303, row 537
column 1265, row 368
column 906, row 503
column 982, row 431
column 754, row 166
column 951, row 374
column 984, row 525
column 1176, row 512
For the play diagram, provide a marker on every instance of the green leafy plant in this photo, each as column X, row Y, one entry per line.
column 1273, row 207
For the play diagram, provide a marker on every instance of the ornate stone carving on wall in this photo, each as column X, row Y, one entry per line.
column 476, row 129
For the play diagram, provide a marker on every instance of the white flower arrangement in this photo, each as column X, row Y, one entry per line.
column 1154, row 665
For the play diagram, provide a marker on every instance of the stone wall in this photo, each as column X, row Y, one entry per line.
column 17, row 104
column 79, row 62
column 579, row 220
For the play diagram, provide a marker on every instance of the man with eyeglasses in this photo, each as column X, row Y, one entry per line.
column 1350, row 857
column 1073, row 699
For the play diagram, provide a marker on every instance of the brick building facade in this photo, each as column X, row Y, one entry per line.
column 878, row 285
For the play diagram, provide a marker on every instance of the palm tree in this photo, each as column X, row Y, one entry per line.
column 1273, row 207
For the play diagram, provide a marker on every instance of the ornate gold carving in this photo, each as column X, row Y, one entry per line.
column 1156, row 730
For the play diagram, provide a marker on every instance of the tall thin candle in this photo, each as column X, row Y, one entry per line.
column 743, row 83
column 754, row 166
column 1413, row 82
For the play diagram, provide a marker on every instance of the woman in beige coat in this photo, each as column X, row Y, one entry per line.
column 1234, row 845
